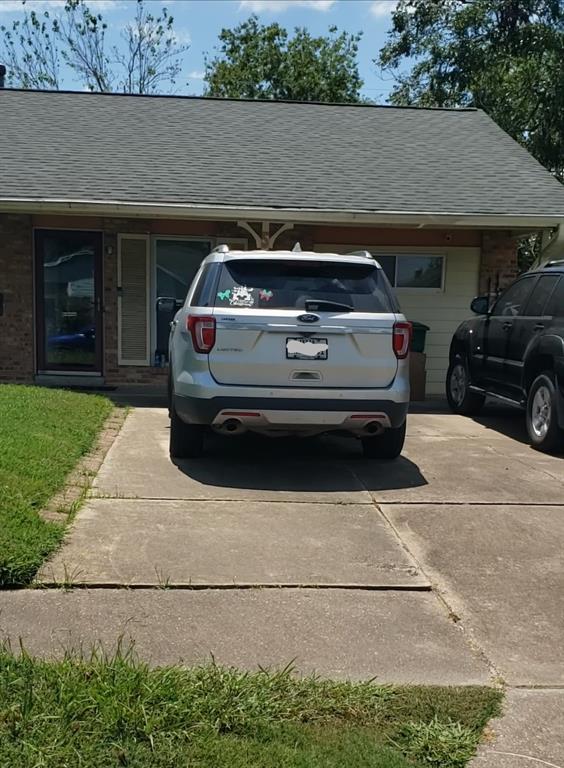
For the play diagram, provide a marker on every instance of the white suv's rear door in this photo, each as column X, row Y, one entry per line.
column 266, row 345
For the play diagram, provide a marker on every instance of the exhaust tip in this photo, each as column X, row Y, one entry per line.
column 373, row 428
column 232, row 426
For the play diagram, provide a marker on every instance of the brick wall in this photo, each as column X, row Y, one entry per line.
column 498, row 266
column 16, row 285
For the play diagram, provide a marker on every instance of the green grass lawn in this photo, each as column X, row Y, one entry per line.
column 43, row 433
column 106, row 712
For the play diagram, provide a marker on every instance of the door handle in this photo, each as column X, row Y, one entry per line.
column 538, row 327
column 506, row 326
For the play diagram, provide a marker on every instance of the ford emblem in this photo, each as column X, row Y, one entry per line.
column 308, row 318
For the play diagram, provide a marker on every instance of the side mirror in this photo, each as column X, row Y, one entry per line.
column 480, row 305
column 166, row 304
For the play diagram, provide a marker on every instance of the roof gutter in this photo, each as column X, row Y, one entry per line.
column 303, row 215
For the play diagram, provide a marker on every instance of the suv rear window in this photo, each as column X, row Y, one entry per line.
column 287, row 284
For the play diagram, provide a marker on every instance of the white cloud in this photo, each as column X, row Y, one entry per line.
column 276, row 6
column 105, row 5
column 16, row 6
column 183, row 36
column 383, row 7
column 196, row 74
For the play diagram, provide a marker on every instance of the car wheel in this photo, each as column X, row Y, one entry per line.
column 542, row 414
column 186, row 440
column 461, row 398
column 385, row 446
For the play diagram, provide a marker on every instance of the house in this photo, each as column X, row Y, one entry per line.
column 110, row 201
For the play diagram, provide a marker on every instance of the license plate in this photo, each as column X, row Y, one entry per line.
column 306, row 349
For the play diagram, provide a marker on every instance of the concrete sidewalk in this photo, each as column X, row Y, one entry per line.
column 401, row 637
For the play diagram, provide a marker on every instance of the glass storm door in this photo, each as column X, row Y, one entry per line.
column 68, row 281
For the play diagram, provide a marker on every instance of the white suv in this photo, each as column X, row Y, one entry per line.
column 285, row 342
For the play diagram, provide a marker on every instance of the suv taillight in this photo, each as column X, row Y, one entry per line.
column 402, row 339
column 202, row 330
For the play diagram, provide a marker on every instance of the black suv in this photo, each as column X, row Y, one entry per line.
column 515, row 351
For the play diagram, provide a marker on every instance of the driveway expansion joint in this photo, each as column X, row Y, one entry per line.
column 224, row 500
column 453, row 616
column 229, row 586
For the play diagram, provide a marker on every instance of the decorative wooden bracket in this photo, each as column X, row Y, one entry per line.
column 265, row 241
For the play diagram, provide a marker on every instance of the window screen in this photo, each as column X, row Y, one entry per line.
column 406, row 270
column 419, row 272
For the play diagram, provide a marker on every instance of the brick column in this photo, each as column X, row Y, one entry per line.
column 16, row 285
column 499, row 260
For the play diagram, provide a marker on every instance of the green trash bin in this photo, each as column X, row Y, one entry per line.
column 418, row 338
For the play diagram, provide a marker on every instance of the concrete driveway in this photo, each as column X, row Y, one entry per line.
column 445, row 566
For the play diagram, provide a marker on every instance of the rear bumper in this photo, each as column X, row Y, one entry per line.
column 194, row 410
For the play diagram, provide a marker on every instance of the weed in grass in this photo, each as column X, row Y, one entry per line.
column 70, row 577
column 438, row 744
column 70, row 509
column 104, row 710
column 163, row 580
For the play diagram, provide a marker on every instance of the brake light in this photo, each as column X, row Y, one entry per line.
column 402, row 339
column 202, row 330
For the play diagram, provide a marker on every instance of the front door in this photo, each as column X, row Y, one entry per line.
column 68, row 284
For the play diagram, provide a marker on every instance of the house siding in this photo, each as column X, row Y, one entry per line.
column 443, row 311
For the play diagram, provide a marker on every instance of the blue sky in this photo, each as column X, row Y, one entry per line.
column 198, row 23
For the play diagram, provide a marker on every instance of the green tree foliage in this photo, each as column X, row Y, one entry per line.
column 504, row 56
column 37, row 47
column 258, row 61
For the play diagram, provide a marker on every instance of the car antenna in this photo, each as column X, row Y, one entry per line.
column 297, row 248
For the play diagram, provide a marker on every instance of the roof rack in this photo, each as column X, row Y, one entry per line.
column 554, row 263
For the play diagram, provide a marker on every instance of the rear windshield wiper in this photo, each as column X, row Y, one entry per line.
column 321, row 305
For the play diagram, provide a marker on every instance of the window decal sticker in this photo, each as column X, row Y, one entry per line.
column 224, row 295
column 265, row 294
column 241, row 296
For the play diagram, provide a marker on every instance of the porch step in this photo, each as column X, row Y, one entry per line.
column 72, row 381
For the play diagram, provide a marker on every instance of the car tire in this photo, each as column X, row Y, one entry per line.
column 385, row 446
column 186, row 440
column 542, row 414
column 169, row 393
column 460, row 397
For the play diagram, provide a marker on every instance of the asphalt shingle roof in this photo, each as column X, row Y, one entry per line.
column 81, row 146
